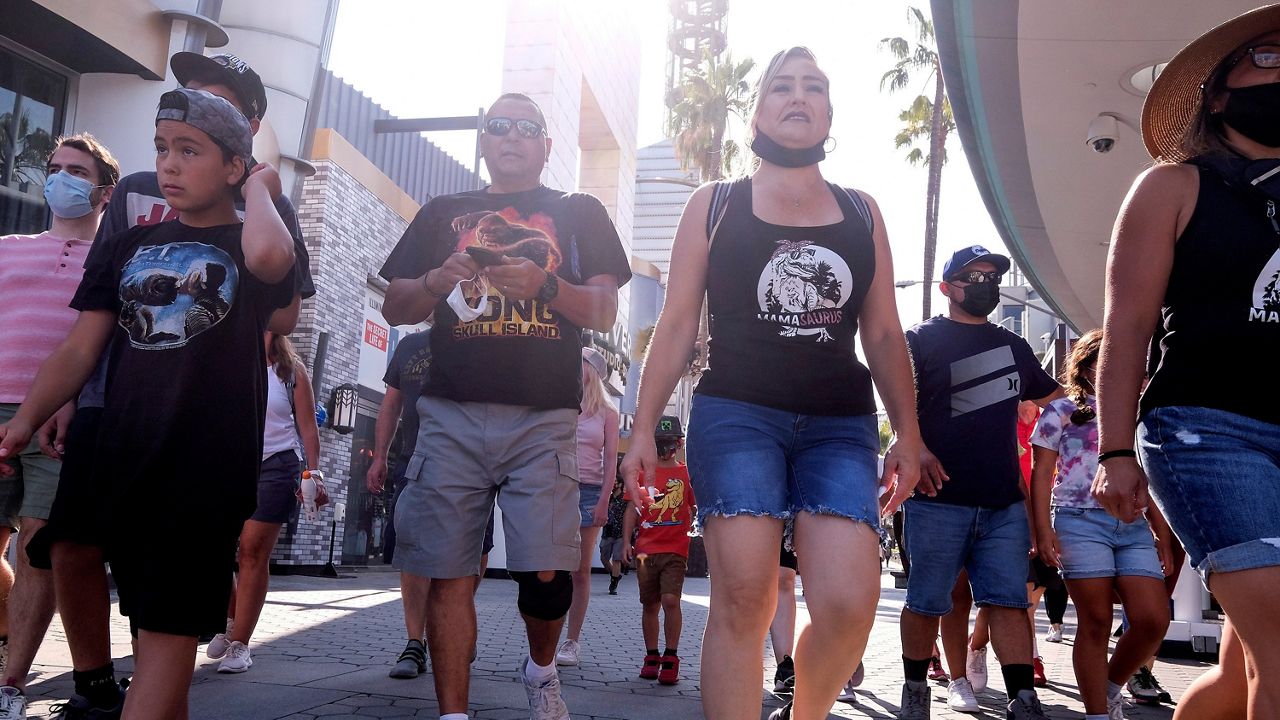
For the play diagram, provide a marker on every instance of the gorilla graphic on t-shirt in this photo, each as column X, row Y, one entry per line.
column 172, row 293
column 497, row 233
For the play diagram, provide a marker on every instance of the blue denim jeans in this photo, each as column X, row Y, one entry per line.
column 1216, row 476
column 992, row 544
column 750, row 459
column 1093, row 545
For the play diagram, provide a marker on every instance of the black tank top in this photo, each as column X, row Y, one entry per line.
column 784, row 304
column 1219, row 335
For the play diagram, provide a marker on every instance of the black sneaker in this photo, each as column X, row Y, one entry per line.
column 784, row 680
column 1144, row 688
column 613, row 584
column 411, row 663
column 79, row 708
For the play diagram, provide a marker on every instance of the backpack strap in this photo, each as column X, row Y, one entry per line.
column 864, row 210
column 289, row 386
column 719, row 206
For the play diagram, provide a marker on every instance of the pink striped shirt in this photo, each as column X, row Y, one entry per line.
column 38, row 276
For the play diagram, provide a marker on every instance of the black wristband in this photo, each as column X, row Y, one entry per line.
column 1103, row 457
column 431, row 292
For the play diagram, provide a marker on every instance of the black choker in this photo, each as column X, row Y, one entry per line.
column 770, row 151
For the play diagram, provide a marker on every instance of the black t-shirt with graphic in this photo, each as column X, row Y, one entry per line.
column 137, row 200
column 407, row 371
column 969, row 381
column 186, row 396
column 784, row 304
column 519, row 352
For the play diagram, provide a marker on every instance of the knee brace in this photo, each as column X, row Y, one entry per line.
column 544, row 600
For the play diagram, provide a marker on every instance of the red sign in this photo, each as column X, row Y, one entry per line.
column 376, row 335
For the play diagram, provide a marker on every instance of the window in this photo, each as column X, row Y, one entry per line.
column 1011, row 317
column 32, row 104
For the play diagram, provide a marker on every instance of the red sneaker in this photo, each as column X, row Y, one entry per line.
column 649, row 671
column 936, row 673
column 670, row 672
column 1037, row 669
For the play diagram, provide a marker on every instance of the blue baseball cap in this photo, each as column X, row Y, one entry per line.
column 973, row 254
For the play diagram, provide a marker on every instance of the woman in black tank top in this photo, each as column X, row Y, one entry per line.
column 783, row 422
column 1195, row 261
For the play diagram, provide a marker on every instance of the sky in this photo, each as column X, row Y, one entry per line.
column 444, row 57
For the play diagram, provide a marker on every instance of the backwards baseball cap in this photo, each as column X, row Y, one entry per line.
column 226, row 70
column 211, row 114
column 973, row 254
column 668, row 427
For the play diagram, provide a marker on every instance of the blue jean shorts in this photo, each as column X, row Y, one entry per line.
column 588, row 496
column 1216, row 477
column 747, row 459
column 1093, row 544
column 992, row 544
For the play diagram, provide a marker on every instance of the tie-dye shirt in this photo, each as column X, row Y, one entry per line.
column 1077, row 448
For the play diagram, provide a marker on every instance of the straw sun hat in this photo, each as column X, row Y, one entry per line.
column 1176, row 95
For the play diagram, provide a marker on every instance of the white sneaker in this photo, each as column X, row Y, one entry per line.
column 217, row 646
column 237, row 659
column 1115, row 707
column 848, row 694
column 13, row 704
column 570, row 653
column 960, row 696
column 1055, row 633
column 545, row 702
column 975, row 667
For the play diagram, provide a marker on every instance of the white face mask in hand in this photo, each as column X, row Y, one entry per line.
column 458, row 300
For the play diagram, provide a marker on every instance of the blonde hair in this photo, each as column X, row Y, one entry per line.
column 594, row 396
column 284, row 356
column 771, row 72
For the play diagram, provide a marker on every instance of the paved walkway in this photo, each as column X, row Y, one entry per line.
column 324, row 646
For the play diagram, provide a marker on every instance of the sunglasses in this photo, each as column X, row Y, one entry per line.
column 977, row 276
column 500, row 126
column 1264, row 57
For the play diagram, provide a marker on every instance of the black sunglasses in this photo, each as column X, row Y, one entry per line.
column 977, row 276
column 500, row 126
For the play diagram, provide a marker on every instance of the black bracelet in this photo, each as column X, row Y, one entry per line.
column 431, row 292
column 1103, row 457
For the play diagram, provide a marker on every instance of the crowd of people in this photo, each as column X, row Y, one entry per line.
column 154, row 315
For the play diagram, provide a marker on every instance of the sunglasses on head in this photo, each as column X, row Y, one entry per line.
column 500, row 126
column 977, row 276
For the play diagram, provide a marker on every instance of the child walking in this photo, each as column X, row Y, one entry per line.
column 1099, row 556
column 188, row 301
column 661, row 551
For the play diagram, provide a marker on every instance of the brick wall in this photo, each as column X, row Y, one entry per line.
column 349, row 233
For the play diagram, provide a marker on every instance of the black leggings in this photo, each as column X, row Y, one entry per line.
column 1055, row 603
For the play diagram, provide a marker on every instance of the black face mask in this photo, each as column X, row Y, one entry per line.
column 980, row 298
column 1254, row 112
column 770, row 151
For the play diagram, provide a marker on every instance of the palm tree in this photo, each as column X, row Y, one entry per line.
column 701, row 106
column 925, row 120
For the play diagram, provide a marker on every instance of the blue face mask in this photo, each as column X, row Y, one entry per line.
column 68, row 195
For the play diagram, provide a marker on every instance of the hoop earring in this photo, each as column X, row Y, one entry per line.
column 830, row 140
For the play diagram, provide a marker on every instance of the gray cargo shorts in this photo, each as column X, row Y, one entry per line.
column 466, row 455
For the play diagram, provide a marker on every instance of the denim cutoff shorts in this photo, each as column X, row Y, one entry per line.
column 748, row 459
column 1216, row 477
column 992, row 544
column 1093, row 544
column 588, row 496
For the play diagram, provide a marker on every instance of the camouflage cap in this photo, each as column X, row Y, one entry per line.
column 211, row 114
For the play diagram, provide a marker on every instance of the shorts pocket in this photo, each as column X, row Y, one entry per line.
column 414, row 468
column 566, row 515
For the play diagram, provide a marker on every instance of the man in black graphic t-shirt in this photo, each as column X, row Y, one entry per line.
column 526, row 267
column 969, row 512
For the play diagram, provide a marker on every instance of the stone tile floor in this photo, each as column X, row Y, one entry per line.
column 323, row 648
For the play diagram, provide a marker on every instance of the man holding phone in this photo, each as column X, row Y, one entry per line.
column 513, row 273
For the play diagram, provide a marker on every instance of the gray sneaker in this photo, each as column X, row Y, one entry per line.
column 915, row 701
column 1025, row 707
column 411, row 663
column 545, row 702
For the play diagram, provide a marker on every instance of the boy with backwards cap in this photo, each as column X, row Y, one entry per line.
column 187, row 303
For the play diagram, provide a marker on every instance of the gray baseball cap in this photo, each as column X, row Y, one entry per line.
column 211, row 114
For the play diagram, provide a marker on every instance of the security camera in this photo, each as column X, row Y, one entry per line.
column 1103, row 131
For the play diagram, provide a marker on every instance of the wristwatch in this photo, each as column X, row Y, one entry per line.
column 550, row 288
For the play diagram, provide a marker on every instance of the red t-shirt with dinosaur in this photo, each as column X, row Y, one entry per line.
column 664, row 527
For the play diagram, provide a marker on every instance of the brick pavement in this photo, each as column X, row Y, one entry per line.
column 323, row 648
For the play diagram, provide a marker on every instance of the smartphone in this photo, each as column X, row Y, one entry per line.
column 483, row 256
